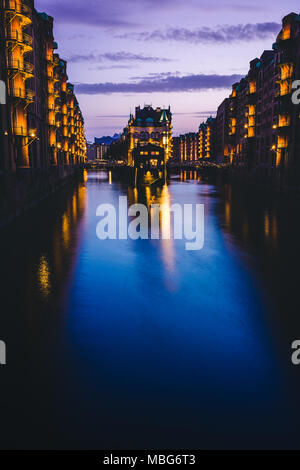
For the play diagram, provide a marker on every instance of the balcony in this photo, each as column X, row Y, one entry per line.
column 27, row 39
column 52, row 122
column 22, row 94
column 25, row 67
column 20, row 131
column 23, row 39
column 54, row 93
column 18, row 9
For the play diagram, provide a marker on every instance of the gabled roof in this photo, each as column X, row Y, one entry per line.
column 151, row 117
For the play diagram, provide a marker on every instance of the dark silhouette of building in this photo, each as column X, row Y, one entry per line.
column 222, row 131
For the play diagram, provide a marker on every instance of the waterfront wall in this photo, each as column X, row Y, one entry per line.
column 42, row 140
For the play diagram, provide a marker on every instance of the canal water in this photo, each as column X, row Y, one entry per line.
column 123, row 344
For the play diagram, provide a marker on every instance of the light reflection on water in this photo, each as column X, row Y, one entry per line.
column 141, row 344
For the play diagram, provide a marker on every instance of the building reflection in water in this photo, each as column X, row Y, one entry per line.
column 53, row 265
column 167, row 242
column 251, row 217
column 44, row 276
column 88, row 315
column 190, row 175
column 150, row 195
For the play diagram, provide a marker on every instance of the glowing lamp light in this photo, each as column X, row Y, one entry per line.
column 273, row 147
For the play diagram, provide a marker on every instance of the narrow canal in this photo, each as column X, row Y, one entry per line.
column 141, row 344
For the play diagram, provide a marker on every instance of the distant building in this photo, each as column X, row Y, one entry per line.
column 149, row 126
column 222, row 130
column 101, row 151
column 207, row 139
column 188, row 147
column 176, row 145
column 91, row 154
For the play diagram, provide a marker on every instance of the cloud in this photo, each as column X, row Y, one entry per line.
column 155, row 75
column 165, row 85
column 115, row 57
column 114, row 67
column 222, row 34
column 129, row 13
column 98, row 13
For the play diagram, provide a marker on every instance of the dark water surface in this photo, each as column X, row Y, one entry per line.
column 142, row 344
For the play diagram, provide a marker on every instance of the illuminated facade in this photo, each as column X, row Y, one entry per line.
column 185, row 147
column 207, row 139
column 150, row 126
column 287, row 120
column 42, row 128
column 263, row 122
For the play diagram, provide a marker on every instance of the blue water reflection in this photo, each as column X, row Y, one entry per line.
column 153, row 346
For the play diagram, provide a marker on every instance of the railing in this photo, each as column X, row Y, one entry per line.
column 53, row 92
column 25, row 66
column 20, row 131
column 23, row 94
column 30, row 95
column 51, row 122
column 28, row 67
column 15, row 35
column 27, row 39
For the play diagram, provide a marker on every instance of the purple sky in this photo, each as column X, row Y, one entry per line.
column 182, row 53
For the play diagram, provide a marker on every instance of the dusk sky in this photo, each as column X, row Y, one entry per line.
column 182, row 53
